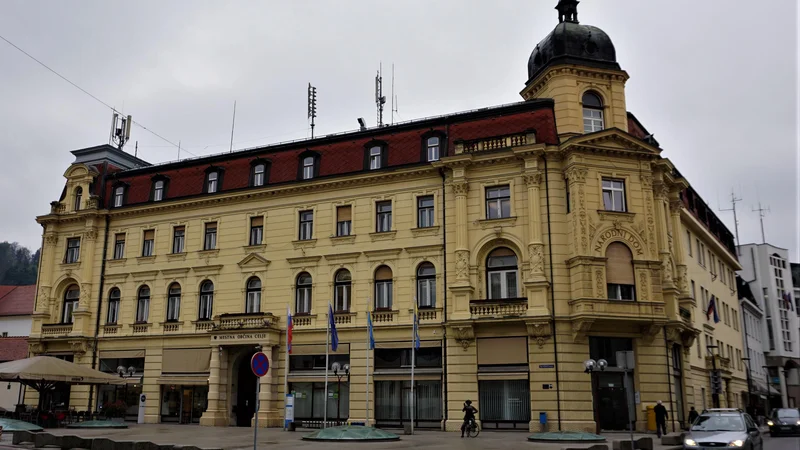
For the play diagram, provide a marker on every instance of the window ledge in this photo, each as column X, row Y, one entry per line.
column 176, row 256
column 146, row 259
column 611, row 216
column 255, row 248
column 67, row 265
column 427, row 231
column 349, row 239
column 116, row 262
column 501, row 222
column 305, row 243
column 209, row 252
column 383, row 235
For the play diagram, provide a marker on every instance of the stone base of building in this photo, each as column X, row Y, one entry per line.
column 214, row 419
column 268, row 419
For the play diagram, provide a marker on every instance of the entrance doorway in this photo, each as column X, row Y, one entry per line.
column 612, row 407
column 245, row 392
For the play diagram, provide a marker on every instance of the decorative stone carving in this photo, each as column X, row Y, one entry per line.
column 50, row 239
column 83, row 303
column 675, row 205
column 90, row 234
column 79, row 347
column 532, row 179
column 580, row 328
column 649, row 332
column 674, row 335
column 683, row 283
column 460, row 188
column 93, row 202
column 540, row 332
column 36, row 348
column 57, row 207
column 647, row 181
column 640, row 229
column 577, row 174
column 666, row 266
column 601, row 283
column 688, row 337
column 644, row 288
column 536, row 256
column 42, row 301
column 464, row 335
column 462, row 264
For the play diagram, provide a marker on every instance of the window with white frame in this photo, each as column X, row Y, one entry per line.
column 383, row 288
column 256, row 230
column 158, row 191
column 426, row 285
column 502, row 274
column 614, row 195
column 148, row 242
column 375, row 157
column 253, row 296
column 178, row 239
column 306, row 225
column 173, row 302
column 210, row 239
column 689, row 241
column 78, row 196
column 206, row 300
column 71, row 298
column 498, row 202
column 119, row 245
column 308, row 167
column 113, row 306
column 592, row 113
column 212, row 184
column 303, row 294
column 342, row 288
column 119, row 196
column 383, row 219
column 73, row 250
column 344, row 220
column 425, row 212
column 432, row 146
column 259, row 171
column 143, row 304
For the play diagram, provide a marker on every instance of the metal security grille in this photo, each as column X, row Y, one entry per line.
column 504, row 404
column 393, row 403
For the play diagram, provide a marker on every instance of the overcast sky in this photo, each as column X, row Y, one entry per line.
column 716, row 81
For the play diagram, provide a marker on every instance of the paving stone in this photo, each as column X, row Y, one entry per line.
column 69, row 442
column 45, row 439
column 18, row 437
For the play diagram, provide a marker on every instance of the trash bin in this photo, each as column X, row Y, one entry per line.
column 651, row 418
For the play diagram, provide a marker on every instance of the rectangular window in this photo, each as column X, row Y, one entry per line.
column 212, row 182
column 383, row 219
column 502, row 284
column 119, row 246
column 341, row 300
column 303, row 300
column 433, row 149
column 206, row 306
column 148, row 242
column 621, row 291
column 498, row 202
column 711, row 262
column 73, row 250
column 699, row 252
column 689, row 242
column 425, row 211
column 374, row 158
column 210, row 241
column 308, row 167
column 306, row 225
column 256, row 230
column 119, row 195
column 592, row 120
column 426, row 290
column 614, row 195
column 383, row 294
column 344, row 220
column 178, row 239
column 566, row 188
column 694, row 293
column 142, row 310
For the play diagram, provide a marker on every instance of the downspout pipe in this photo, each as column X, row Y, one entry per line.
column 552, row 291
column 101, row 283
column 444, row 301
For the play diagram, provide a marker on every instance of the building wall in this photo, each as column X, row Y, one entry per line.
column 15, row 325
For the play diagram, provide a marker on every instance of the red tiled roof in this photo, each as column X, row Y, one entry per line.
column 343, row 154
column 13, row 348
column 17, row 300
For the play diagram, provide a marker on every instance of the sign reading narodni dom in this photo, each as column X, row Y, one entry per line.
column 625, row 236
column 242, row 336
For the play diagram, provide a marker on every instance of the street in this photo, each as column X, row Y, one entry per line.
column 781, row 443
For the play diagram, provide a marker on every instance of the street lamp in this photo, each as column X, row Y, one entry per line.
column 337, row 368
column 591, row 365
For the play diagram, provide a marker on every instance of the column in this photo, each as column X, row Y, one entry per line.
column 577, row 219
column 215, row 412
column 535, row 246
column 675, row 205
column 268, row 413
column 662, row 191
column 83, row 313
column 460, row 188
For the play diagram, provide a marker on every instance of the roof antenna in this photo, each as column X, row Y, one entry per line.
column 136, row 150
column 380, row 99
column 120, row 130
column 233, row 125
column 179, row 150
column 761, row 215
column 312, row 106
column 734, row 200
column 394, row 97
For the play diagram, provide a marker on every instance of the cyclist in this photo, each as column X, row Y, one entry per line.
column 469, row 416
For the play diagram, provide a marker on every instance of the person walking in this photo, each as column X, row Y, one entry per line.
column 692, row 416
column 661, row 419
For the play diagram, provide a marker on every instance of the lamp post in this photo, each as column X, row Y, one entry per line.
column 749, row 387
column 337, row 368
column 590, row 366
column 125, row 373
column 769, row 390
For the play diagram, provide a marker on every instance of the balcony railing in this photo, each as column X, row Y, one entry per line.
column 172, row 327
column 111, row 328
column 140, row 328
column 427, row 314
column 493, row 143
column 244, row 321
column 56, row 329
column 380, row 317
column 509, row 307
column 343, row 318
column 617, row 309
column 203, row 325
column 303, row 321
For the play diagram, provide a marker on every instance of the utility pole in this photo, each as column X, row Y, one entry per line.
column 761, row 215
column 735, row 220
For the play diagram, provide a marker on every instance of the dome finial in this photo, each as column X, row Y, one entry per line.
column 567, row 11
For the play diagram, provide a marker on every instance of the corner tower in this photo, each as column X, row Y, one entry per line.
column 576, row 65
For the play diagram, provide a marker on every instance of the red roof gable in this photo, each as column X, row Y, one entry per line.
column 342, row 154
column 17, row 300
column 13, row 348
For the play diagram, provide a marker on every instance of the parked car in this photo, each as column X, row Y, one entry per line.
column 784, row 421
column 724, row 428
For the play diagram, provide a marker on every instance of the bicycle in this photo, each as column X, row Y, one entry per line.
column 473, row 429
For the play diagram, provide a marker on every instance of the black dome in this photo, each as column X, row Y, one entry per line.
column 573, row 43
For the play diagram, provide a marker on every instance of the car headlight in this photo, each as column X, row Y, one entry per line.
column 690, row 443
column 770, row 423
column 736, row 443
column 798, row 422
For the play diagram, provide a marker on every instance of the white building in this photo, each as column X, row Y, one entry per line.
column 766, row 270
column 16, row 307
column 753, row 336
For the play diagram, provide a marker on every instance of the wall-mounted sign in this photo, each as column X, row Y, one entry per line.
column 236, row 337
column 547, row 386
column 622, row 235
column 547, row 366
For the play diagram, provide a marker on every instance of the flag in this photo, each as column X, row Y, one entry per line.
column 712, row 309
column 289, row 328
column 369, row 330
column 787, row 299
column 416, row 326
column 332, row 324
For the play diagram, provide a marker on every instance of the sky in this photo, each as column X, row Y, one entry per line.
column 715, row 81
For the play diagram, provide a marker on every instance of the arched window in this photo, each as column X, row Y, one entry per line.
column 113, row 306
column 426, row 285
column 173, row 302
column 78, row 196
column 501, row 274
column 592, row 113
column 303, row 294
column 619, row 272
column 308, row 167
column 143, row 304
column 206, row 300
column 258, row 174
column 119, row 196
column 383, row 288
column 432, row 146
column 342, row 285
column 253, row 296
column 71, row 298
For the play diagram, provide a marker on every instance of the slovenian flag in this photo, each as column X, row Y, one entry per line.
column 332, row 325
column 289, row 328
column 712, row 309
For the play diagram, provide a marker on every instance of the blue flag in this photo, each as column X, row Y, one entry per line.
column 334, row 334
column 416, row 326
column 369, row 329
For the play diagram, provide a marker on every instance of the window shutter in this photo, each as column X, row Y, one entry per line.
column 149, row 235
column 257, row 221
column 383, row 274
column 619, row 266
column 180, row 228
column 343, row 213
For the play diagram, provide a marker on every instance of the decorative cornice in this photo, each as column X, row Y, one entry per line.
column 302, row 261
column 342, row 257
column 390, row 253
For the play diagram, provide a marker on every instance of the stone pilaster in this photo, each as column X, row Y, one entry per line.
column 578, row 219
column 681, row 282
column 216, row 412
column 535, row 246
column 461, row 188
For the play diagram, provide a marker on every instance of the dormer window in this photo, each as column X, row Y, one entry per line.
column 374, row 158
column 308, row 167
column 376, row 155
column 211, row 182
column 158, row 191
column 258, row 174
column 119, row 196
column 592, row 113
column 78, row 196
column 433, row 148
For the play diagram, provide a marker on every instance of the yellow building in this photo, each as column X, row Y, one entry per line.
column 533, row 237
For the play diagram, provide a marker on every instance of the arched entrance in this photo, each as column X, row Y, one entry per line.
column 245, row 391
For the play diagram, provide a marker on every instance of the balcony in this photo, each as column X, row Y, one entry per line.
column 384, row 317
column 307, row 321
column 721, row 362
column 203, row 325
column 634, row 311
column 247, row 321
column 428, row 314
column 492, row 143
column 498, row 309
column 54, row 330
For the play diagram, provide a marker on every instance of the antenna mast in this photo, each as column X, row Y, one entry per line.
column 233, row 125
column 380, row 100
column 394, row 97
column 120, row 130
column 761, row 215
column 312, row 106
column 734, row 200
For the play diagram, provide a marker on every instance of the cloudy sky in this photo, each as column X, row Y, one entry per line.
column 716, row 81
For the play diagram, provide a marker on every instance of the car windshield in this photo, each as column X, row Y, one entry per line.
column 788, row 413
column 719, row 423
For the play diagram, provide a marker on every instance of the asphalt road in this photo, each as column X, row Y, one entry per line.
column 781, row 443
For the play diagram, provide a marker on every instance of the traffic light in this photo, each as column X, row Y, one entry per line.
column 716, row 382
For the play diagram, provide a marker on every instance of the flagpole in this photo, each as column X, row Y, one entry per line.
column 327, row 348
column 366, row 410
column 286, row 368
